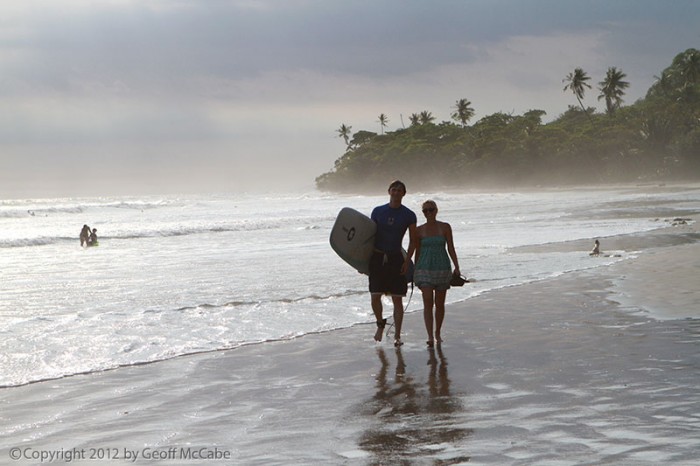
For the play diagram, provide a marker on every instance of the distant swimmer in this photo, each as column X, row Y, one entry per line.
column 84, row 235
column 596, row 249
column 93, row 238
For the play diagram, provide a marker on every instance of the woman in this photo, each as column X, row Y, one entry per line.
column 85, row 235
column 433, row 271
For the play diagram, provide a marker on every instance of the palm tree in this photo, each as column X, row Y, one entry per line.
column 577, row 84
column 344, row 132
column 612, row 88
column 414, row 119
column 464, row 112
column 426, row 117
column 663, row 85
column 383, row 121
column 690, row 67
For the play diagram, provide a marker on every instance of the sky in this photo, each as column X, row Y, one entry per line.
column 120, row 97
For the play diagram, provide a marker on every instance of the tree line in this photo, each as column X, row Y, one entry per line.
column 655, row 139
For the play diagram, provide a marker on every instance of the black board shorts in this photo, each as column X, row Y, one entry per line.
column 385, row 274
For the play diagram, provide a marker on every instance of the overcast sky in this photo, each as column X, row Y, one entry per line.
column 107, row 97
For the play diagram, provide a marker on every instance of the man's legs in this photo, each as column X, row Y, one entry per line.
column 398, row 317
column 378, row 310
column 386, row 276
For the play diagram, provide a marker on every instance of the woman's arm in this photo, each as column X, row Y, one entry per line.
column 412, row 241
column 416, row 242
column 451, row 247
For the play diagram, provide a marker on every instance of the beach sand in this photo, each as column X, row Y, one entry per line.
column 571, row 370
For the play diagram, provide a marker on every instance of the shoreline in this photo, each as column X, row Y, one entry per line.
column 559, row 371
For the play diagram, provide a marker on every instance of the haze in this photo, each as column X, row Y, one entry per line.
column 179, row 96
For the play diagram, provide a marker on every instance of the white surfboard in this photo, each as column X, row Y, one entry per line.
column 352, row 238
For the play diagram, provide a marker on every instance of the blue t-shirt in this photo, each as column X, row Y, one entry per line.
column 391, row 226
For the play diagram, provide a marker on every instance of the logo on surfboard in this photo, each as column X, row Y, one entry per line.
column 350, row 232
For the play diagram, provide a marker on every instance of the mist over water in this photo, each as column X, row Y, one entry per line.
column 181, row 274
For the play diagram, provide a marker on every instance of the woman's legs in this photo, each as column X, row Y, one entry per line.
column 440, row 296
column 428, row 302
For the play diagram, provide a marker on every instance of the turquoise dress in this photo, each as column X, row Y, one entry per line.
column 433, row 268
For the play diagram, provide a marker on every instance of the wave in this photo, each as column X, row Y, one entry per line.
column 16, row 213
column 171, row 354
column 139, row 204
column 21, row 209
column 177, row 230
column 298, row 299
column 29, row 242
column 41, row 212
column 27, row 378
column 486, row 286
column 115, row 366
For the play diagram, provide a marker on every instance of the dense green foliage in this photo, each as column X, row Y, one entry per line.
column 655, row 139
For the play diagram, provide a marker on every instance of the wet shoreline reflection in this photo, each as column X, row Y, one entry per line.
column 409, row 418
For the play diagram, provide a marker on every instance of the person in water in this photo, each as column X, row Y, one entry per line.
column 433, row 269
column 388, row 267
column 84, row 235
column 93, row 238
column 596, row 249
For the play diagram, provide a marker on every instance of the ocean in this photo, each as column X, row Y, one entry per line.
column 176, row 275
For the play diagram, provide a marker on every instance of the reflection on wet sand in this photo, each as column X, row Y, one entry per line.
column 412, row 419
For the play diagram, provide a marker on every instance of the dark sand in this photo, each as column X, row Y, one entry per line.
column 573, row 370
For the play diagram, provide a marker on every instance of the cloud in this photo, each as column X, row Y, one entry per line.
column 166, row 48
column 226, row 89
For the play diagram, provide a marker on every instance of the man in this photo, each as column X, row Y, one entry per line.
column 388, row 267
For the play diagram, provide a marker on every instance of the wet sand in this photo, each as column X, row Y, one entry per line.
column 574, row 370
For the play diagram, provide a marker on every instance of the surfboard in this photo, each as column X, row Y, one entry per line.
column 352, row 238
